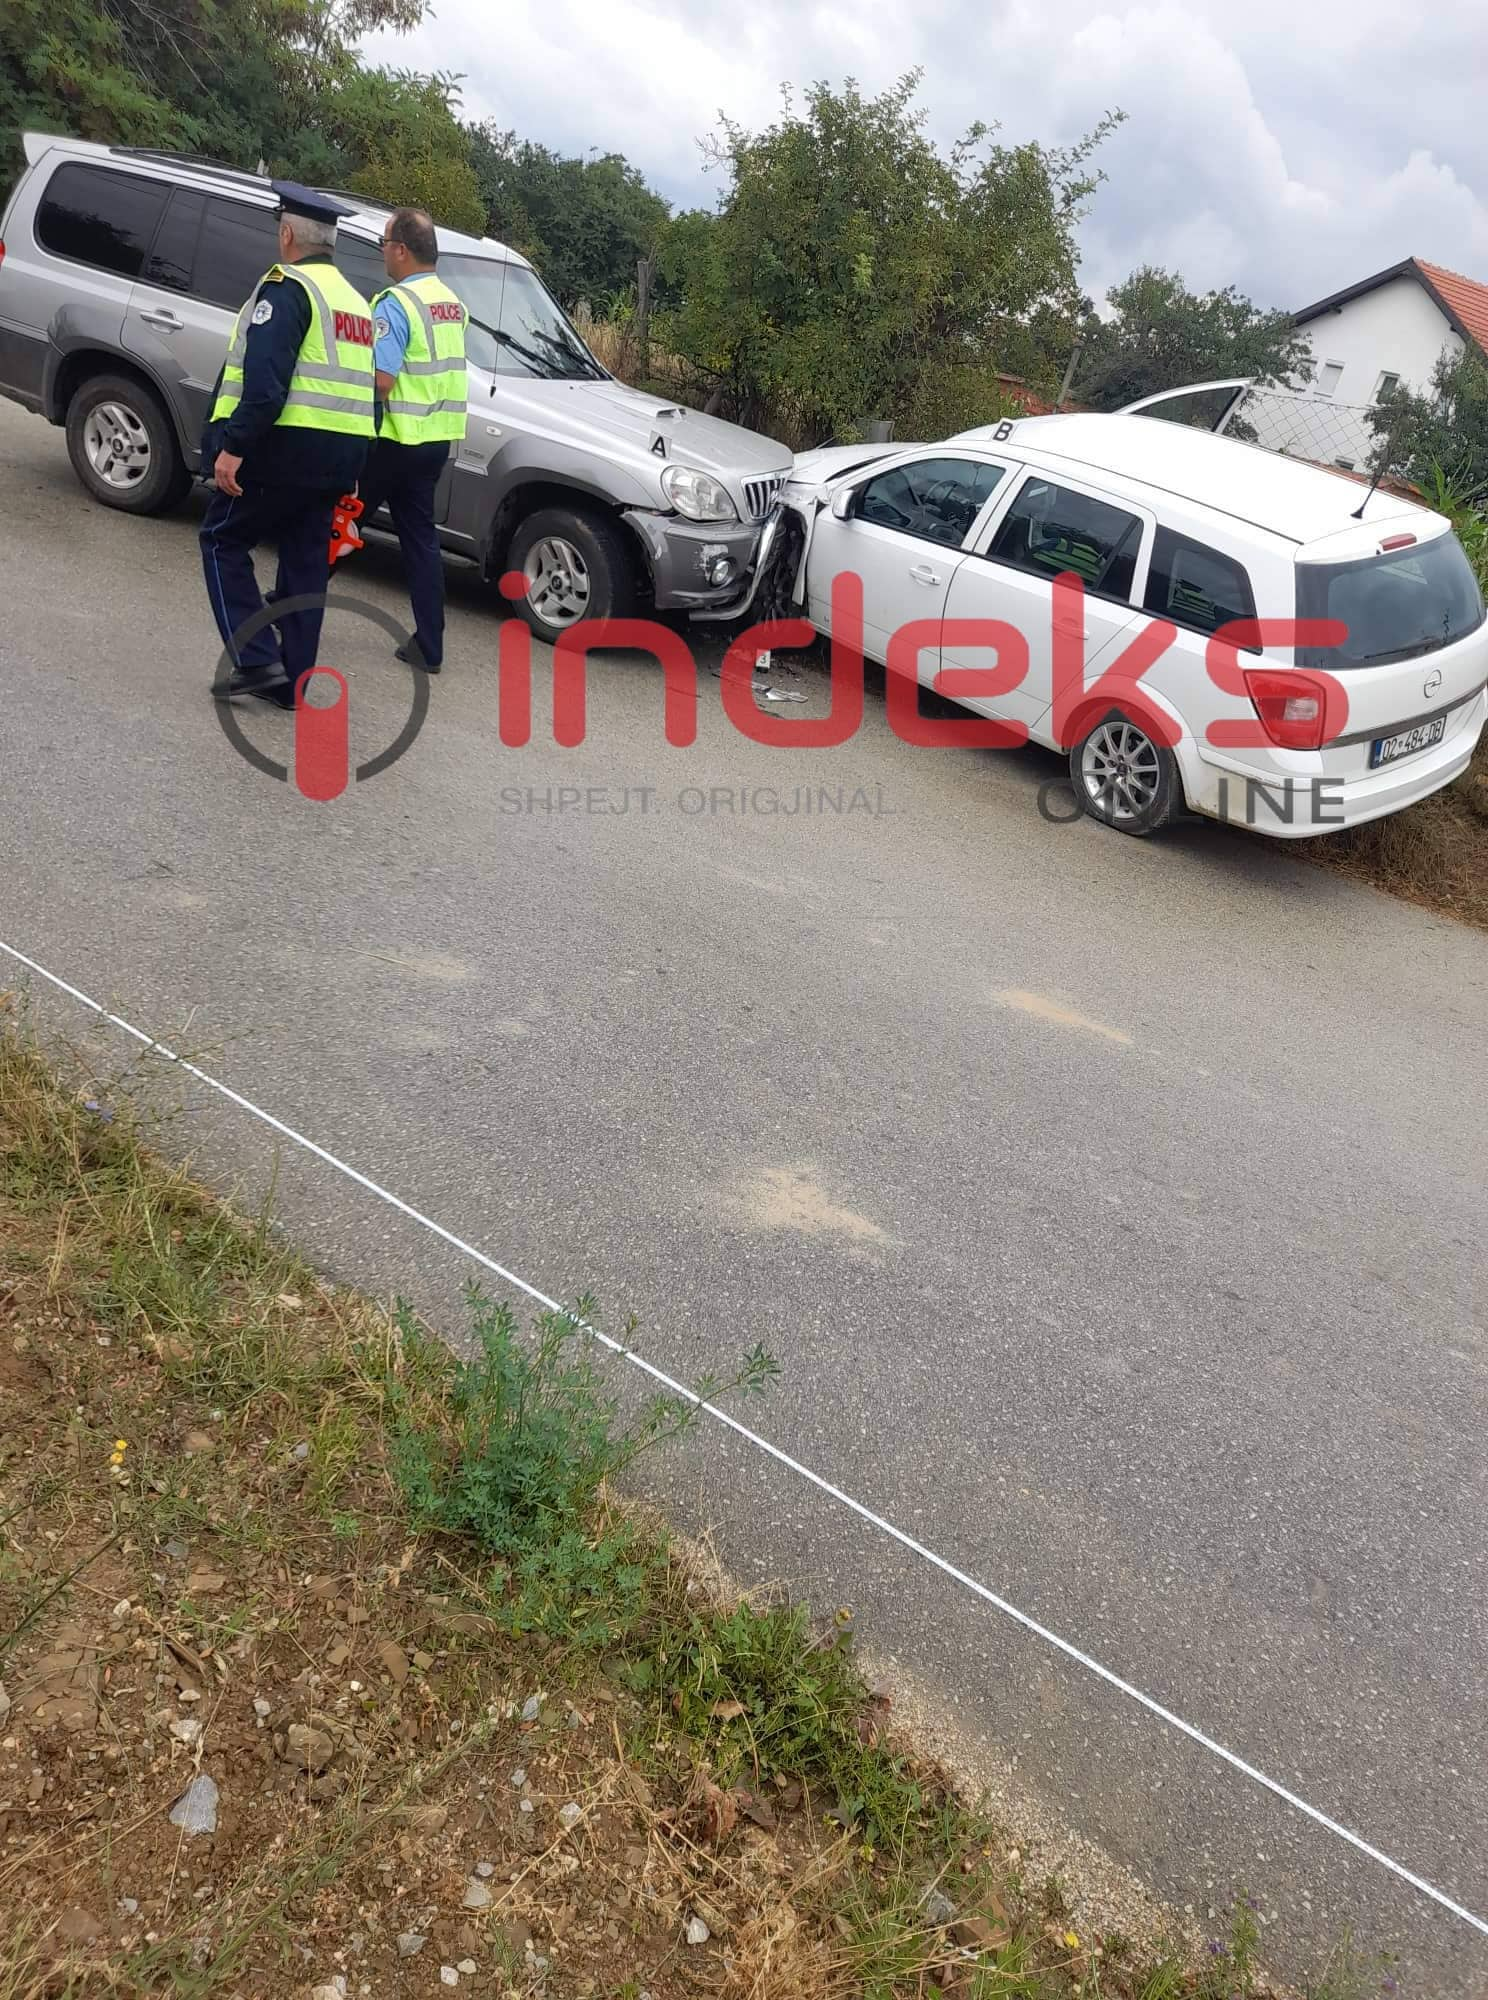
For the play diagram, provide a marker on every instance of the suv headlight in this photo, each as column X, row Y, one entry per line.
column 696, row 496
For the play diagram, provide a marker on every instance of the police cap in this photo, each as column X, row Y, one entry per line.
column 297, row 200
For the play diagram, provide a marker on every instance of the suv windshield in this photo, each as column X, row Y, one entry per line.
column 516, row 325
column 1396, row 606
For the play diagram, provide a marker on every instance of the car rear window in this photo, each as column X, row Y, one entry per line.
column 1196, row 586
column 238, row 245
column 1396, row 606
column 1051, row 529
column 93, row 215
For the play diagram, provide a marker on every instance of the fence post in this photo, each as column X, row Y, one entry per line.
column 1069, row 376
column 644, row 270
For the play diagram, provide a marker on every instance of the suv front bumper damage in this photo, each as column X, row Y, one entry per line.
column 695, row 565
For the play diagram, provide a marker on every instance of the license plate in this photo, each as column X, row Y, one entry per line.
column 1387, row 748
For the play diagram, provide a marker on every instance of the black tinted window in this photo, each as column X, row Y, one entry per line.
column 362, row 264
column 1397, row 606
column 935, row 498
column 99, row 217
column 1051, row 529
column 1195, row 585
column 238, row 244
column 170, row 262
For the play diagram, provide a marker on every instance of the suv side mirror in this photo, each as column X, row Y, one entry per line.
column 842, row 504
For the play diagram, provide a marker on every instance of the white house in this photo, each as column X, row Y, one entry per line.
column 1387, row 329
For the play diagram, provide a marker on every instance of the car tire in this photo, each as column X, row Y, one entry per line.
column 1124, row 779
column 578, row 565
column 123, row 446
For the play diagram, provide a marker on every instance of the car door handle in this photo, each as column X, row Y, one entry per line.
column 167, row 322
column 922, row 573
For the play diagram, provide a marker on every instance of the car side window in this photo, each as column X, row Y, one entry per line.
column 1052, row 529
column 238, row 244
column 1196, row 586
column 361, row 264
column 173, row 256
column 935, row 499
column 95, row 216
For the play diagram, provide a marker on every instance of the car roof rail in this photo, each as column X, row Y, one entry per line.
column 202, row 162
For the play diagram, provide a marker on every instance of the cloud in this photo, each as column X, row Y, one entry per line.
column 1285, row 148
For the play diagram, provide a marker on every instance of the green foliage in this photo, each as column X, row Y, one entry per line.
column 848, row 252
column 510, row 1446
column 402, row 143
column 584, row 223
column 1160, row 335
column 1443, row 432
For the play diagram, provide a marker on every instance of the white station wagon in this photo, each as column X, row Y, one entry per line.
column 1163, row 522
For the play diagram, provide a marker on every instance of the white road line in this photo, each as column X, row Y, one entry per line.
column 804, row 1472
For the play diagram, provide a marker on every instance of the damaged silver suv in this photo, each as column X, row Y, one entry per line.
column 121, row 275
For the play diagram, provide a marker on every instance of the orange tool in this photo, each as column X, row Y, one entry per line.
column 345, row 535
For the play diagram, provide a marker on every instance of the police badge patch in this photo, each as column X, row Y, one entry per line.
column 381, row 328
column 262, row 312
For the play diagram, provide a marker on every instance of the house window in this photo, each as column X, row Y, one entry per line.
column 1328, row 375
column 1344, row 464
column 1387, row 386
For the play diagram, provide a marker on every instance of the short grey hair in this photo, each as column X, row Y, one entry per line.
column 311, row 233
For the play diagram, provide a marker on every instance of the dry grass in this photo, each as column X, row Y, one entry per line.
column 1435, row 853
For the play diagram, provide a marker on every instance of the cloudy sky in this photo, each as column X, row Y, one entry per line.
column 1286, row 146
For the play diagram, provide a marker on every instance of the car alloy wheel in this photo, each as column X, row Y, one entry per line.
column 117, row 442
column 1121, row 771
column 558, row 584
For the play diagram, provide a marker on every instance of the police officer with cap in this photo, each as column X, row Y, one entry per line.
column 288, row 435
column 419, row 327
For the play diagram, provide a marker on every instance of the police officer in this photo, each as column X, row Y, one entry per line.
column 420, row 360
column 288, row 435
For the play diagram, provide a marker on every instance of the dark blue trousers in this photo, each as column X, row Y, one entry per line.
column 404, row 476
column 298, row 518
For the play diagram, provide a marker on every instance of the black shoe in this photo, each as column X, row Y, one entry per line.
column 410, row 655
column 267, row 681
column 281, row 695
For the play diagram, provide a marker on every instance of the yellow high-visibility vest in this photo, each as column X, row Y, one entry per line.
column 427, row 399
column 332, row 387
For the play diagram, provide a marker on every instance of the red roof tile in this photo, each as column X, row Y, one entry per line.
column 1461, row 296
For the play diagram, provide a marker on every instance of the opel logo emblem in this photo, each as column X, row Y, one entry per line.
column 1432, row 683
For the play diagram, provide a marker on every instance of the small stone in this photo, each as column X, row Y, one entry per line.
column 448, row 1976
column 189, row 1695
column 128, row 1906
column 309, row 1749
column 519, row 1777
column 195, row 1442
column 569, row 1816
column 532, row 1708
column 78, row 1926
column 261, row 1708
column 477, row 1896
column 410, row 1944
column 467, row 1966
column 121, row 1610
column 697, row 1931
column 423, row 1661
column 485, row 1870
column 177, row 1550
column 196, row 1809
column 4, row 1703
column 938, row 1908
column 527, row 1806
column 186, row 1730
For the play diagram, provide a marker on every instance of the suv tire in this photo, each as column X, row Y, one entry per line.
column 578, row 565
column 1124, row 779
column 123, row 446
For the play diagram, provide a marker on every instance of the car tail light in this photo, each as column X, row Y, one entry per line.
column 1293, row 708
column 2, row 249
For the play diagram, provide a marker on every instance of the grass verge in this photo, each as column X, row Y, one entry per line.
column 329, row 1667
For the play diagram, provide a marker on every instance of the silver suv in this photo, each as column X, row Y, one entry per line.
column 122, row 272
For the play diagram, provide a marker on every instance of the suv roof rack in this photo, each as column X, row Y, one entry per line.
column 363, row 200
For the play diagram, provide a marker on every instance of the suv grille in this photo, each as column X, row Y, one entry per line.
column 759, row 494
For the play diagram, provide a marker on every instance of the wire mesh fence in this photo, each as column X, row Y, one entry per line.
column 1311, row 427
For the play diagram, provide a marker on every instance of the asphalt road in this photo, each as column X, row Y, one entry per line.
column 1114, row 1207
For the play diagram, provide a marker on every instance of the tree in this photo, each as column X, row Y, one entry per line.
column 584, row 222
column 395, row 137
column 1445, row 431
column 1160, row 336
column 239, row 82
column 851, row 271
